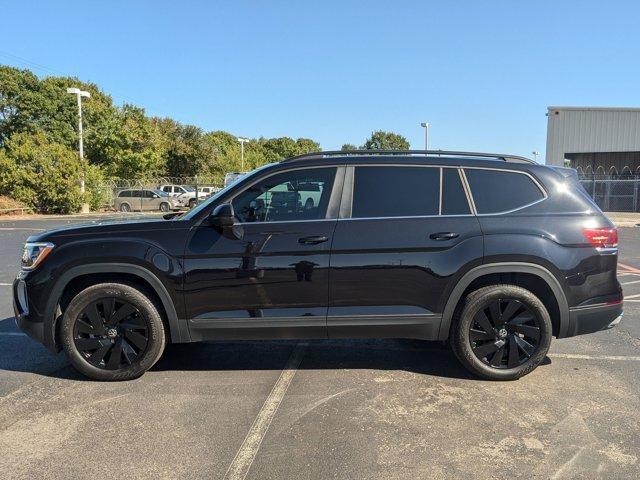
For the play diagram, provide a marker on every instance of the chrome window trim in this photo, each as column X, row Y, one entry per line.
column 440, row 199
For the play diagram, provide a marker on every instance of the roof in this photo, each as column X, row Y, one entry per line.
column 597, row 109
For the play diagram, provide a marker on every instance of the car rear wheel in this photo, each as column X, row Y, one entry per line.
column 164, row 207
column 112, row 331
column 502, row 332
column 192, row 203
column 125, row 207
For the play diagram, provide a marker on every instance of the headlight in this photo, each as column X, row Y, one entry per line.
column 34, row 254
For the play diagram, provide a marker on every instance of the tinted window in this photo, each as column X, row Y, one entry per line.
column 295, row 195
column 454, row 199
column 497, row 191
column 136, row 193
column 148, row 194
column 125, row 193
column 396, row 191
column 167, row 189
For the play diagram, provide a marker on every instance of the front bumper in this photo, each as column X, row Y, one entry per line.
column 26, row 317
column 593, row 318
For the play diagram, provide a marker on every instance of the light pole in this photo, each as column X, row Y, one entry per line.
column 425, row 125
column 535, row 155
column 79, row 94
column 242, row 142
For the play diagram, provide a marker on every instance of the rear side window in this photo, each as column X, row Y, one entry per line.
column 497, row 191
column 454, row 199
column 125, row 193
column 395, row 191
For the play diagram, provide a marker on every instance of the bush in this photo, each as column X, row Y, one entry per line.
column 40, row 174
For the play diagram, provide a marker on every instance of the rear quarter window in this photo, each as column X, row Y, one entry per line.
column 496, row 191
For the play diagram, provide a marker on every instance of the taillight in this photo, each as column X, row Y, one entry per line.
column 601, row 237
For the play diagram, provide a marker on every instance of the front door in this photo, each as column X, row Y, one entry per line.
column 273, row 282
column 397, row 250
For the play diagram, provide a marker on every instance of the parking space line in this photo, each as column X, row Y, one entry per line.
column 631, row 296
column 12, row 334
column 628, row 268
column 630, row 283
column 248, row 450
column 576, row 356
column 21, row 228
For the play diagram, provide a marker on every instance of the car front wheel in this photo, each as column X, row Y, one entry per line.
column 164, row 207
column 502, row 332
column 112, row 331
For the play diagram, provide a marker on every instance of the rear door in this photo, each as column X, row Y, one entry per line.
column 404, row 236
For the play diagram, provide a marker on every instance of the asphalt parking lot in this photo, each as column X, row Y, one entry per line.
column 322, row 409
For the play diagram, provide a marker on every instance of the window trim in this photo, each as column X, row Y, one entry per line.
column 332, row 207
column 503, row 212
column 346, row 213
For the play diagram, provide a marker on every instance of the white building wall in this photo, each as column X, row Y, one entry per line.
column 591, row 130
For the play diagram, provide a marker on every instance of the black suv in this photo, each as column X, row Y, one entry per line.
column 494, row 253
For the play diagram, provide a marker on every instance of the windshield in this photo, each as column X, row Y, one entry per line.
column 161, row 193
column 188, row 189
column 194, row 211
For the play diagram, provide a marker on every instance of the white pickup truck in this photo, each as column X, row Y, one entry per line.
column 184, row 194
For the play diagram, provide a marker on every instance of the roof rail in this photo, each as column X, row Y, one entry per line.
column 426, row 153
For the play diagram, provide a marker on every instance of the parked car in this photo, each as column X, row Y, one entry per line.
column 207, row 190
column 494, row 253
column 232, row 177
column 184, row 194
column 144, row 200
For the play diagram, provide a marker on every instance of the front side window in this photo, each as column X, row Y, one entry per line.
column 496, row 191
column 288, row 196
column 395, row 191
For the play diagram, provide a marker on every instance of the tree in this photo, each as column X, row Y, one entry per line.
column 381, row 140
column 41, row 174
column 348, row 147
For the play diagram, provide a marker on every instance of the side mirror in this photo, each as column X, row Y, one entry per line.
column 223, row 219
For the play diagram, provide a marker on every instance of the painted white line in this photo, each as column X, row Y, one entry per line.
column 630, row 283
column 631, row 301
column 22, row 228
column 624, row 274
column 12, row 334
column 576, row 356
column 5, row 284
column 248, row 450
column 631, row 296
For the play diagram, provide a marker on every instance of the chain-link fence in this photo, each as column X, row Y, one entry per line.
column 163, row 194
column 613, row 193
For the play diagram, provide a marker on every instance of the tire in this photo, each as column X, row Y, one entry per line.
column 192, row 203
column 164, row 207
column 125, row 207
column 124, row 350
column 308, row 205
column 507, row 357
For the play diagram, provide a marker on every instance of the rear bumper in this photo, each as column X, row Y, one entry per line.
column 593, row 318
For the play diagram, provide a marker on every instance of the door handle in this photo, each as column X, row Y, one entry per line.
column 314, row 240
column 444, row 236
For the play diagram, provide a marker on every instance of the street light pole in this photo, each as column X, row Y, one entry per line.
column 535, row 155
column 79, row 94
column 425, row 125
column 242, row 142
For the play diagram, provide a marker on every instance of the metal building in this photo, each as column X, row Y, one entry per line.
column 594, row 139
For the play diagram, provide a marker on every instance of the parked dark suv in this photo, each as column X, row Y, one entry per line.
column 494, row 253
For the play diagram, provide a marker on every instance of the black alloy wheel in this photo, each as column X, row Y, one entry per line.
column 505, row 334
column 111, row 333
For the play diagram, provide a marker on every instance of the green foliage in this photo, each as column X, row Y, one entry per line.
column 381, row 140
column 40, row 174
column 348, row 147
column 39, row 163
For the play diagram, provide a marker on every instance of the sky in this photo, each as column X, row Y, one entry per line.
column 481, row 72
